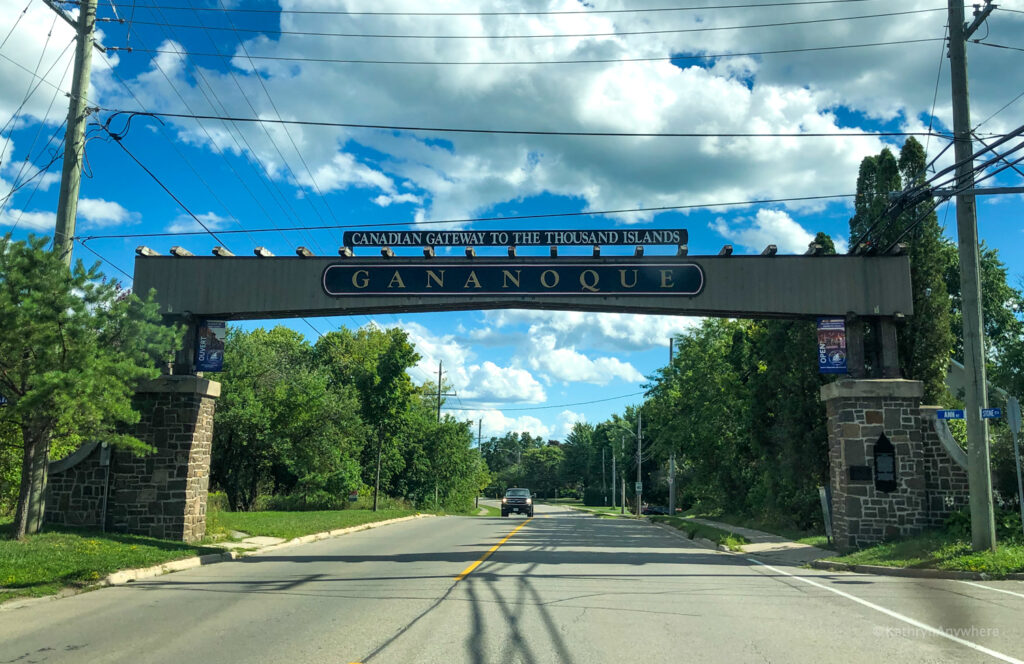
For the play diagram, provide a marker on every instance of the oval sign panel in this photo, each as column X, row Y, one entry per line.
column 556, row 278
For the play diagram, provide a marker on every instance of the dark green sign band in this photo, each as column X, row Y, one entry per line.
column 555, row 278
column 515, row 238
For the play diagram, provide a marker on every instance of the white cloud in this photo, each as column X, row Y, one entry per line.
column 566, row 420
column 610, row 332
column 186, row 224
column 37, row 221
column 496, row 423
column 566, row 364
column 767, row 227
column 100, row 213
column 485, row 382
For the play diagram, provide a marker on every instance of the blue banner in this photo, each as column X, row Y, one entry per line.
column 831, row 345
column 991, row 413
column 949, row 414
column 210, row 345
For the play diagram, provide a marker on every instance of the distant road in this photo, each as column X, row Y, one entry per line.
column 565, row 588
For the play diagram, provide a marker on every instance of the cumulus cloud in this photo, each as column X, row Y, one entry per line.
column 99, row 213
column 610, row 332
column 457, row 174
column 483, row 382
column 186, row 224
column 36, row 221
column 566, row 420
column 496, row 423
column 767, row 227
column 566, row 364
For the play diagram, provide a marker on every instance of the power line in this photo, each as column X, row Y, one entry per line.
column 104, row 259
column 668, row 58
column 520, row 217
column 629, row 33
column 563, row 405
column 117, row 140
column 509, row 13
column 538, row 132
column 1009, row 48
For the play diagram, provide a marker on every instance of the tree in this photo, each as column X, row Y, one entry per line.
column 374, row 362
column 924, row 341
column 280, row 426
column 541, row 469
column 73, row 349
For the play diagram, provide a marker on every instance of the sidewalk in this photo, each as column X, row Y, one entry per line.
column 772, row 547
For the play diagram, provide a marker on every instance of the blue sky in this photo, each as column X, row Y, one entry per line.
column 514, row 370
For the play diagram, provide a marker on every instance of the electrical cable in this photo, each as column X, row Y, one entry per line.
column 538, row 132
column 1009, row 48
column 104, row 259
column 507, row 13
column 117, row 140
column 564, row 405
column 631, row 33
column 550, row 215
column 668, row 58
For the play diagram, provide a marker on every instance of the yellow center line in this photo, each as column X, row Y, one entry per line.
column 462, row 575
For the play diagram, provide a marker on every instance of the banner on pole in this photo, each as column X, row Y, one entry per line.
column 210, row 345
column 832, row 345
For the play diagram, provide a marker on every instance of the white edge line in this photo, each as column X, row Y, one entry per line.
column 998, row 590
column 897, row 616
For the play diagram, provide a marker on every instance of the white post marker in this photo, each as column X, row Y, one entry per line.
column 1013, row 419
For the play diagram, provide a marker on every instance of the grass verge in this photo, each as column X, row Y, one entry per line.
column 289, row 525
column 692, row 529
column 46, row 563
column 782, row 530
column 491, row 511
column 939, row 550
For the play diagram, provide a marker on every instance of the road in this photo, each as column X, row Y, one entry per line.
column 565, row 587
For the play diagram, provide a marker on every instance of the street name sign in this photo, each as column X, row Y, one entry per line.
column 991, row 413
column 949, row 414
column 514, row 238
column 561, row 277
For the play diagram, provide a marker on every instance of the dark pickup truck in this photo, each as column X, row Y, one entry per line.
column 519, row 501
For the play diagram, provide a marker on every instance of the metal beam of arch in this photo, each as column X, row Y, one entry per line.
column 796, row 287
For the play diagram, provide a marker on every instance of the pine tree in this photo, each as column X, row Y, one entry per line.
column 925, row 341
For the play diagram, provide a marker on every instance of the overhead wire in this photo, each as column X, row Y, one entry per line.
column 581, row 35
column 542, row 132
column 519, row 217
column 201, row 78
column 291, row 139
column 253, row 10
column 666, row 58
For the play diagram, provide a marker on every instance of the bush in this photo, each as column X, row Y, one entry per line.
column 1008, row 527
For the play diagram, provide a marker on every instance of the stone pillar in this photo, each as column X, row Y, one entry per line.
column 164, row 494
column 859, row 412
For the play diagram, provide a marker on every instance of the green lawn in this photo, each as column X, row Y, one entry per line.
column 602, row 510
column 693, row 529
column 938, row 550
column 782, row 530
column 43, row 564
column 491, row 511
column 296, row 524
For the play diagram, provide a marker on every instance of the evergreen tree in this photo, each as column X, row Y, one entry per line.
column 924, row 341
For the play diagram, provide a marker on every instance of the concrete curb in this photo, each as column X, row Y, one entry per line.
column 125, row 576
column 315, row 537
column 911, row 572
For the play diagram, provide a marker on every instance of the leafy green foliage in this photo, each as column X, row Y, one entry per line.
column 73, row 348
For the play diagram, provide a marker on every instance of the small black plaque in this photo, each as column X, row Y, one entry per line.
column 885, row 464
column 860, row 474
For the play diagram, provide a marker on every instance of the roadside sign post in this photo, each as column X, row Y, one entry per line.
column 1013, row 418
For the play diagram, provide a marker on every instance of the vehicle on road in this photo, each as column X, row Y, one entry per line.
column 517, row 500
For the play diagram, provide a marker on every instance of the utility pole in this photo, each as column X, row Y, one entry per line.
column 440, row 372
column 439, row 390
column 613, row 480
column 639, row 493
column 74, row 140
column 604, row 487
column 479, row 450
column 983, row 531
column 672, row 456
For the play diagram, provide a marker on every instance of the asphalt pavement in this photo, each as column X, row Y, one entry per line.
column 562, row 587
